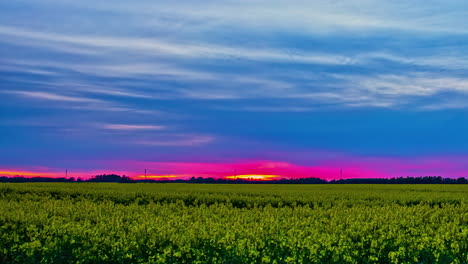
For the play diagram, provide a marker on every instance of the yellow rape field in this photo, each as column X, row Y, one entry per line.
column 215, row 223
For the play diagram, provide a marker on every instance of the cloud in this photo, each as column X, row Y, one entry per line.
column 325, row 16
column 310, row 17
column 53, row 96
column 128, row 127
column 77, row 102
column 115, row 69
column 281, row 108
column 151, row 46
column 202, row 66
column 30, row 70
column 100, row 88
column 301, row 95
column 409, row 84
column 177, row 141
column 439, row 58
column 183, row 49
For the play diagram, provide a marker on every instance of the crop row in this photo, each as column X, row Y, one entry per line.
column 75, row 223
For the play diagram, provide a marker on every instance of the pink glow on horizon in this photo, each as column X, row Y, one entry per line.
column 254, row 177
column 225, row 170
column 52, row 173
column 15, row 173
column 184, row 170
column 352, row 167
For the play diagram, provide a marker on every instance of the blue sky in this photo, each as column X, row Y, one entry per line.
column 88, row 83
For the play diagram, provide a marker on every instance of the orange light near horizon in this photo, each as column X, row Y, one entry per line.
column 54, row 174
column 157, row 176
column 255, row 177
column 27, row 173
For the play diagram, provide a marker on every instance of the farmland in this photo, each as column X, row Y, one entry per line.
column 210, row 223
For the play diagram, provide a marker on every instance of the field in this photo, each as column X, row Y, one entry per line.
column 205, row 223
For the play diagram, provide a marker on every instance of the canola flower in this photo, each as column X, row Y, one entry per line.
column 207, row 223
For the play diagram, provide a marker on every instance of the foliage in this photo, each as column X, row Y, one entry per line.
column 206, row 223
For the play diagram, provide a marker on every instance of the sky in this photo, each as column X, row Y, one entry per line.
column 223, row 88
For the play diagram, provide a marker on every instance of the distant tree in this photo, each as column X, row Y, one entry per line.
column 462, row 180
column 110, row 178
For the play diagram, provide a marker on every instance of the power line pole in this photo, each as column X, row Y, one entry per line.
column 341, row 173
column 146, row 178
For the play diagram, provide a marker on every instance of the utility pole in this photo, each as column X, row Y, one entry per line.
column 66, row 173
column 341, row 173
column 146, row 178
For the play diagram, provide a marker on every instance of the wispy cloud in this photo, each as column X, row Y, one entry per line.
column 177, row 141
column 317, row 17
column 324, row 16
column 131, row 127
column 53, row 96
column 151, row 46
column 114, row 69
column 76, row 102
column 411, row 84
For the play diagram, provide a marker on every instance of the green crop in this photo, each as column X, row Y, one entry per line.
column 206, row 223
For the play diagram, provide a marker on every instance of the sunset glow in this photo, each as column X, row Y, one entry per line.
column 54, row 173
column 156, row 176
column 348, row 167
column 28, row 174
column 252, row 177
